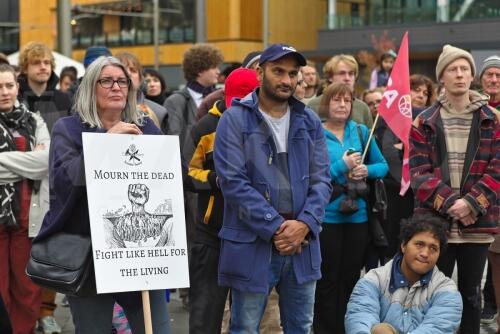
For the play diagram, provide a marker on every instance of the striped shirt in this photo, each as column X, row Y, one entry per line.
column 456, row 126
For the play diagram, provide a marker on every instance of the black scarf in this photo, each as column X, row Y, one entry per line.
column 22, row 121
column 197, row 87
column 158, row 98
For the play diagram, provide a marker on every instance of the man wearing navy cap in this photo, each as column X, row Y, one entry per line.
column 273, row 170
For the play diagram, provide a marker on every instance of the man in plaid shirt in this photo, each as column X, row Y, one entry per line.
column 455, row 173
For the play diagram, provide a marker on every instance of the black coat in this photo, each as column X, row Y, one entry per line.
column 52, row 104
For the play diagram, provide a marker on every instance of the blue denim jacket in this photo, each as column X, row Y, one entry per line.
column 246, row 169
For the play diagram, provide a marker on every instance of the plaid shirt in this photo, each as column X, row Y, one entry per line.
column 480, row 183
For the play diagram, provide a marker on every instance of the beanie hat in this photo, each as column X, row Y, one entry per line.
column 449, row 55
column 240, row 83
column 493, row 61
column 93, row 53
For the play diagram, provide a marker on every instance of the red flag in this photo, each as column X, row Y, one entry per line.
column 395, row 107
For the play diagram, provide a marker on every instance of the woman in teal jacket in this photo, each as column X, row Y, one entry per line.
column 344, row 236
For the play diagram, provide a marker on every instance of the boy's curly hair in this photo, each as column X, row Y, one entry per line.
column 199, row 58
column 424, row 222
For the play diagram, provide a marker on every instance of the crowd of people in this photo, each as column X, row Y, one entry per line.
column 279, row 179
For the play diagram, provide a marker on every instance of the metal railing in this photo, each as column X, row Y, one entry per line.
column 377, row 15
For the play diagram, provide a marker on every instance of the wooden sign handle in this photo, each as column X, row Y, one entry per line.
column 146, row 307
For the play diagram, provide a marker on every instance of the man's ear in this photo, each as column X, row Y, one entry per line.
column 403, row 248
column 260, row 72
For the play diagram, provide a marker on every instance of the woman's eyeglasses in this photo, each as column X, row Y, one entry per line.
column 108, row 82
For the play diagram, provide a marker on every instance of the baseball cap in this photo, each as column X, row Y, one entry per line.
column 239, row 84
column 277, row 51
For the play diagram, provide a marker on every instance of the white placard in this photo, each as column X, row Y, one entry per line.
column 136, row 210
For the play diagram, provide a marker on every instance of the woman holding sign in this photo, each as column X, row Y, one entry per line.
column 105, row 102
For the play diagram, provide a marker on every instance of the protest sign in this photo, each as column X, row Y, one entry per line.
column 136, row 210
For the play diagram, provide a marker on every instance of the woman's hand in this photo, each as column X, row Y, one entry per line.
column 359, row 172
column 125, row 128
column 352, row 160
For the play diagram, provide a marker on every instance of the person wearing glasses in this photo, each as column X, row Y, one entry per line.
column 344, row 68
column 372, row 98
column 105, row 102
column 489, row 78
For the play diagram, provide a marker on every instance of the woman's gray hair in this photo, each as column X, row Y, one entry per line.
column 86, row 99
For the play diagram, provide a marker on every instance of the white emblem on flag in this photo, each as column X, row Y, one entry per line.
column 404, row 105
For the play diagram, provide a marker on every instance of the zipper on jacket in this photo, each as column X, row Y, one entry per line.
column 270, row 159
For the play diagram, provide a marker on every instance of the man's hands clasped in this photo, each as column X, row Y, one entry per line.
column 462, row 212
column 289, row 237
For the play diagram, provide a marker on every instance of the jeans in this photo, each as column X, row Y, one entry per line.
column 296, row 301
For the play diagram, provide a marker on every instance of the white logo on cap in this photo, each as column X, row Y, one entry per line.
column 288, row 48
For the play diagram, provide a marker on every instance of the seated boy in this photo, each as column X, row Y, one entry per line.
column 409, row 294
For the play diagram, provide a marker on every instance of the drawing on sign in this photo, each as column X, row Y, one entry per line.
column 136, row 227
column 133, row 157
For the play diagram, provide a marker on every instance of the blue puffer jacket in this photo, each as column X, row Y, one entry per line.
column 247, row 174
column 431, row 306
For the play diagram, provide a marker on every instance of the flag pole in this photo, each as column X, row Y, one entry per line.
column 146, row 306
column 369, row 138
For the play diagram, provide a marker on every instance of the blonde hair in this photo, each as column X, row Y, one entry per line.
column 331, row 65
column 128, row 59
column 34, row 50
column 86, row 100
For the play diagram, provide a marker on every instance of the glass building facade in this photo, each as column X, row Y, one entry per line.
column 360, row 13
column 9, row 26
column 131, row 23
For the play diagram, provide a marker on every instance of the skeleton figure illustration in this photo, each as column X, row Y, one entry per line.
column 139, row 228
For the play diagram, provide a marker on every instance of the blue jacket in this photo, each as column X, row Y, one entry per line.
column 432, row 305
column 246, row 170
column 374, row 161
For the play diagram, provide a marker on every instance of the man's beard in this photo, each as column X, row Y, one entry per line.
column 39, row 80
column 269, row 92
